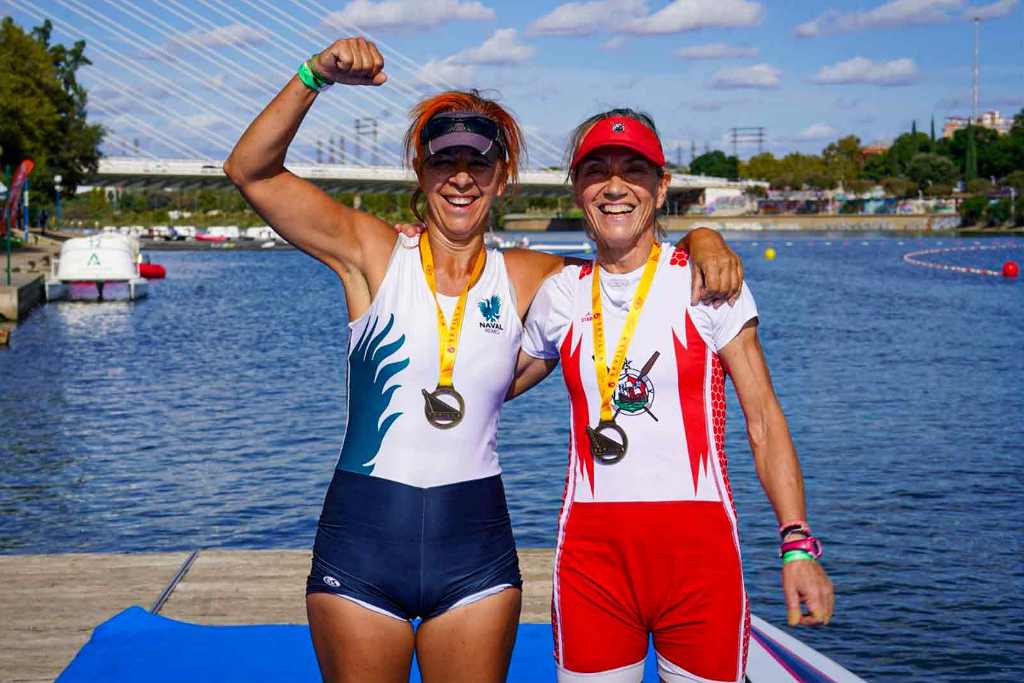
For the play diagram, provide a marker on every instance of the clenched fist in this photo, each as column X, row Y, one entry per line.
column 352, row 61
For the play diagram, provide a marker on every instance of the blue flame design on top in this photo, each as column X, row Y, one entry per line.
column 491, row 308
column 369, row 397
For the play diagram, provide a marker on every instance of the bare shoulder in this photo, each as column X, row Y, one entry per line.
column 529, row 258
column 528, row 269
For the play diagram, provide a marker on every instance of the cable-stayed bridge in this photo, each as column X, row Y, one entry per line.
column 174, row 83
column 171, row 79
column 185, row 174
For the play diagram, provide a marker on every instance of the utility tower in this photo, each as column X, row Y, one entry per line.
column 746, row 135
column 975, row 72
column 367, row 127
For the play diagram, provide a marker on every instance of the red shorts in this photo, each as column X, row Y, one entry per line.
column 627, row 570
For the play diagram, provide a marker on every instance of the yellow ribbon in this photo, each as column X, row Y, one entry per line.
column 607, row 377
column 448, row 335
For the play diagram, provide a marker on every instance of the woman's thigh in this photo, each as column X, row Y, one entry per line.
column 354, row 644
column 472, row 643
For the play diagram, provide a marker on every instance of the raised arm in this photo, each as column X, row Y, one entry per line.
column 778, row 469
column 346, row 240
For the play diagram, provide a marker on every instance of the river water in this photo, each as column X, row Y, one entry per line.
column 210, row 416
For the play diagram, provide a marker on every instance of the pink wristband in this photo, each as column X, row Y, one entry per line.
column 810, row 545
column 797, row 526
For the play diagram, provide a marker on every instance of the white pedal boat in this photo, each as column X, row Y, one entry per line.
column 98, row 261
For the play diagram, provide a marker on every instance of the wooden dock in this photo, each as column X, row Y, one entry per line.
column 51, row 603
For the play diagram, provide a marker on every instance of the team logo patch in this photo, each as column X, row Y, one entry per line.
column 331, row 581
column 618, row 127
column 490, row 309
column 635, row 391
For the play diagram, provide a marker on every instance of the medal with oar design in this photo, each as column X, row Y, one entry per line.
column 444, row 407
column 608, row 441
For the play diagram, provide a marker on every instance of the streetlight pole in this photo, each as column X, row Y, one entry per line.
column 57, row 188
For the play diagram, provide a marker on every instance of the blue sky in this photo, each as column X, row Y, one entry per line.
column 184, row 78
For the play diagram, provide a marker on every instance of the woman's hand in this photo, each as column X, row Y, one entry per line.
column 352, row 61
column 409, row 229
column 717, row 270
column 805, row 582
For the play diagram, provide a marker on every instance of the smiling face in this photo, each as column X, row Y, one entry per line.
column 460, row 186
column 620, row 192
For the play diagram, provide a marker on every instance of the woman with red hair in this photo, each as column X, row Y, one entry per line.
column 414, row 523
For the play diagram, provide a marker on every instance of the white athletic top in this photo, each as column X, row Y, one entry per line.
column 674, row 416
column 393, row 356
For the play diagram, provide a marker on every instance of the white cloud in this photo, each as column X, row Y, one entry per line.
column 691, row 15
column 893, row 13
column 585, row 18
column 614, row 43
column 863, row 70
column 817, row 131
column 446, row 72
column 632, row 16
column 996, row 10
column 716, row 51
column 232, row 35
column 405, row 14
column 503, row 47
column 763, row 76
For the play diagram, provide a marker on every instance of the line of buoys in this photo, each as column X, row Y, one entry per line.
column 1010, row 269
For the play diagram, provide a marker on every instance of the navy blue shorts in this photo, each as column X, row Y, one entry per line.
column 413, row 552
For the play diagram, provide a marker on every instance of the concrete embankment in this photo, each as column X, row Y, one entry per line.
column 29, row 266
column 51, row 603
column 794, row 222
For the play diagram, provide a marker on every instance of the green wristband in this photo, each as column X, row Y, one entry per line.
column 317, row 76
column 311, row 80
column 795, row 556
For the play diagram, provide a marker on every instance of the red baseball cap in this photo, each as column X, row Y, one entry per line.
column 620, row 131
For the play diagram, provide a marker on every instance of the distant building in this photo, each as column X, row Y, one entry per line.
column 990, row 119
column 875, row 148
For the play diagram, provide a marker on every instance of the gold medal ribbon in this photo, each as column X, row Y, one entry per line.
column 448, row 335
column 607, row 377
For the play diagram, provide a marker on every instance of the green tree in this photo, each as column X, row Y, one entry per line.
column 860, row 186
column 899, row 187
column 971, row 155
column 972, row 209
column 876, row 166
column 903, row 150
column 716, row 163
column 844, row 159
column 979, row 186
column 997, row 213
column 926, row 169
column 42, row 116
column 762, row 166
column 1016, row 181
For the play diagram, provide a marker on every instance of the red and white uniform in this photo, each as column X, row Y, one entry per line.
column 649, row 544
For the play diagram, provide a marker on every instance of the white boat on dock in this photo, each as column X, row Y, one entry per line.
column 99, row 261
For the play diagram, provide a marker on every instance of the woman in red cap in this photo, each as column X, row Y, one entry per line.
column 647, row 536
column 415, row 523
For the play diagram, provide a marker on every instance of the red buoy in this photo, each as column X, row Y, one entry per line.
column 152, row 271
column 1011, row 269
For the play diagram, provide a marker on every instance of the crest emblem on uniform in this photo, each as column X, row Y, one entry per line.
column 490, row 309
column 618, row 127
column 635, row 391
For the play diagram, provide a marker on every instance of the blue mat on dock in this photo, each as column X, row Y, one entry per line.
column 138, row 646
